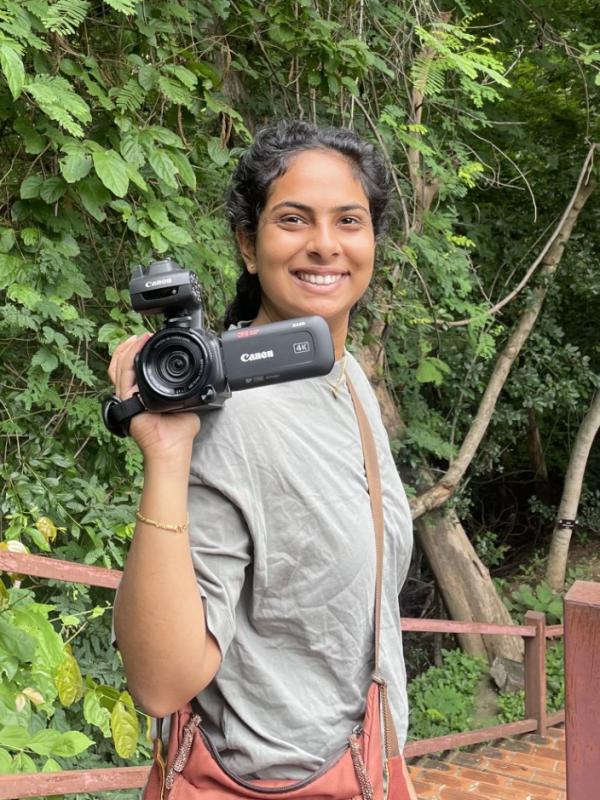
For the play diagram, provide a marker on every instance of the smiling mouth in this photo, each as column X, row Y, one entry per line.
column 320, row 279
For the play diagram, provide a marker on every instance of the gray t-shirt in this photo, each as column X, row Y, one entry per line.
column 283, row 547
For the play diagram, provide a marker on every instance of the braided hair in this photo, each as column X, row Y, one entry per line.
column 267, row 159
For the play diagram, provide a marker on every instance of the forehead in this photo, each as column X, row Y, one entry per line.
column 318, row 178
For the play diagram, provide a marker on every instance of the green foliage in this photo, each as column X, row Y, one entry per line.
column 442, row 699
column 536, row 598
column 40, row 676
column 488, row 549
column 511, row 705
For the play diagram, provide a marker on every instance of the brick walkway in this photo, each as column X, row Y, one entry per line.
column 526, row 768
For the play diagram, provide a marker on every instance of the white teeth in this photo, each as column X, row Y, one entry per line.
column 320, row 280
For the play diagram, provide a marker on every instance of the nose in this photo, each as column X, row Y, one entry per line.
column 323, row 242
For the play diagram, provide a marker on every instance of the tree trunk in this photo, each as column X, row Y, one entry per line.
column 536, row 451
column 567, row 511
column 466, row 585
column 537, row 458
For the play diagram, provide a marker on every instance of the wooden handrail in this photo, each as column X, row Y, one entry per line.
column 71, row 572
column 72, row 782
column 99, row 781
column 67, row 571
column 457, row 626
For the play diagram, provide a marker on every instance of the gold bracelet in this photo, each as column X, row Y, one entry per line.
column 163, row 526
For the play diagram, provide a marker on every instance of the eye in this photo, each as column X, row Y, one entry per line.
column 350, row 221
column 291, row 219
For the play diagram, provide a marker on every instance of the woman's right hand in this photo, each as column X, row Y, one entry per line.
column 160, row 436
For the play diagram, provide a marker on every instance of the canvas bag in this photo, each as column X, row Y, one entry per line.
column 368, row 767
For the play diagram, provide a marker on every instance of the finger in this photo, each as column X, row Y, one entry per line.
column 118, row 351
column 121, row 362
column 125, row 373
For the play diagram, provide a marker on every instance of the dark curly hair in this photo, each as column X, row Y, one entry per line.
column 267, row 159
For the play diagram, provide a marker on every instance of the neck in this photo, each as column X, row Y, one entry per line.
column 337, row 327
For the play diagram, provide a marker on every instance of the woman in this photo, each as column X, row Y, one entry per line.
column 265, row 610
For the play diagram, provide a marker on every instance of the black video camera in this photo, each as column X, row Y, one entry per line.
column 185, row 367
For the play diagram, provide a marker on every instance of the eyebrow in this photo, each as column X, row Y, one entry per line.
column 303, row 207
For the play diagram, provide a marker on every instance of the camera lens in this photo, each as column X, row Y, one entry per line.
column 175, row 363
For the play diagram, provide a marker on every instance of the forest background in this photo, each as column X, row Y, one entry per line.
column 120, row 124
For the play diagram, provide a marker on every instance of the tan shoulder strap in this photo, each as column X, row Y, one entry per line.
column 374, row 483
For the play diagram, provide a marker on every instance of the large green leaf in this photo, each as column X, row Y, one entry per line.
column 131, row 149
column 69, row 681
column 22, row 763
column 186, row 171
column 71, row 744
column 14, row 736
column 75, row 166
column 218, row 154
column 157, row 213
column 431, row 370
column 34, row 141
column 93, row 196
column 44, row 741
column 175, row 234
column 16, row 642
column 159, row 243
column 163, row 166
column 95, row 713
column 53, row 189
column 5, row 762
column 30, row 187
column 49, row 647
column 12, row 66
column 112, row 170
column 125, row 726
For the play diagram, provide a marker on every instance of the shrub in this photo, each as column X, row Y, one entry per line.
column 442, row 700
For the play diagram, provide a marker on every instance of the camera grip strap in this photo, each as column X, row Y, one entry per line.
column 117, row 414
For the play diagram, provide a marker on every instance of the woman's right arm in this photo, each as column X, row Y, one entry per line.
column 168, row 654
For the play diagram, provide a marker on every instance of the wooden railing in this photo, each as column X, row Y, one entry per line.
column 582, row 621
column 535, row 632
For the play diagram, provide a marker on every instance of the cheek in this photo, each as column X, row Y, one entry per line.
column 274, row 249
column 364, row 255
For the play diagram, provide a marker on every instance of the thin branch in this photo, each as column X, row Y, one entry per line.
column 438, row 494
column 397, row 186
column 583, row 177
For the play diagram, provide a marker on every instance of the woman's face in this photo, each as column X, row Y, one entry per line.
column 315, row 247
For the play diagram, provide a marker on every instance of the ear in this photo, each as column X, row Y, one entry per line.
column 247, row 250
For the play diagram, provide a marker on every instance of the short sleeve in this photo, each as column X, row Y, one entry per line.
column 221, row 551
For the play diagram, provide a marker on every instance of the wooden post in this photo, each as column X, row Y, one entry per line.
column 535, row 671
column 582, row 690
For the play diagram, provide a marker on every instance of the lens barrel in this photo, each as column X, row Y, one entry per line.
column 173, row 363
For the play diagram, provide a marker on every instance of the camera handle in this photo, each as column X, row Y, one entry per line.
column 117, row 414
